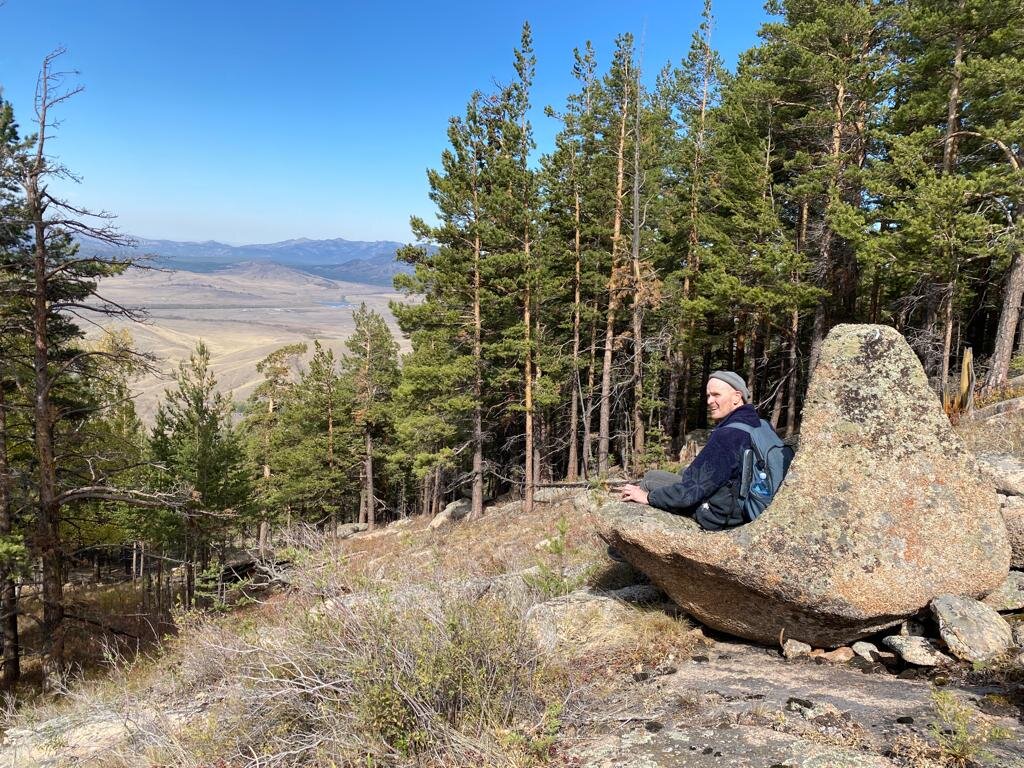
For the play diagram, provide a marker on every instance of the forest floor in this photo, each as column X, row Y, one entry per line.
column 512, row 640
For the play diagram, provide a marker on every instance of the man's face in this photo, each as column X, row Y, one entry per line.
column 722, row 399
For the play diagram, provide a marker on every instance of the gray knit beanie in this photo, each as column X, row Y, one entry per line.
column 735, row 381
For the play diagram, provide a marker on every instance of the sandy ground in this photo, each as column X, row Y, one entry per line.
column 243, row 314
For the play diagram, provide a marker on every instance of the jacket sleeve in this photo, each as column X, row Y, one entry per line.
column 712, row 469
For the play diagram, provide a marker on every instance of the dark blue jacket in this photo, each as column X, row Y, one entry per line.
column 712, row 477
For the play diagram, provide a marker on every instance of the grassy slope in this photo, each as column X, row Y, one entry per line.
column 403, row 646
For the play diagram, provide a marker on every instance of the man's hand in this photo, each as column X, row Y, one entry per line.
column 633, row 493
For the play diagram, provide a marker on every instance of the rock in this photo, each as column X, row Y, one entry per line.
column 881, row 498
column 794, row 704
column 350, row 529
column 867, row 651
column 794, row 649
column 1005, row 471
column 840, row 655
column 639, row 594
column 1013, row 518
column 457, row 510
column 584, row 621
column 1008, row 596
column 971, row 630
column 917, row 650
column 552, row 495
column 1018, row 633
column 1001, row 408
column 913, row 626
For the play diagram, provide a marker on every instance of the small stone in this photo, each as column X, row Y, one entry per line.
column 701, row 659
column 840, row 655
column 708, row 750
column 794, row 704
column 653, row 726
column 794, row 649
column 972, row 630
column 867, row 651
column 917, row 650
column 913, row 627
column 1008, row 596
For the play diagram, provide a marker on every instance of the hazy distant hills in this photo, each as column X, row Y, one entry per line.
column 338, row 259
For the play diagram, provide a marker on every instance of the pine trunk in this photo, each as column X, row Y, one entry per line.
column 639, row 437
column 1009, row 317
column 587, row 462
column 604, row 419
column 8, row 593
column 572, row 470
column 530, row 468
column 947, row 338
column 477, row 487
column 47, row 529
column 371, row 506
column 794, row 371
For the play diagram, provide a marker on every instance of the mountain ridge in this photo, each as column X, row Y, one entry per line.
column 360, row 261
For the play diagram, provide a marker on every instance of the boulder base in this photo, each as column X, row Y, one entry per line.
column 883, row 510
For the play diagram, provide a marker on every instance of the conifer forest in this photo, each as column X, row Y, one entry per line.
column 863, row 163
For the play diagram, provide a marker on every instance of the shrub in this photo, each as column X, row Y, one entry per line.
column 961, row 733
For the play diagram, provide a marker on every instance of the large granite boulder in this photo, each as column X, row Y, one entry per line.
column 883, row 510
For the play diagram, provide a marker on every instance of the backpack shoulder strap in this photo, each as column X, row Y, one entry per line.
column 742, row 427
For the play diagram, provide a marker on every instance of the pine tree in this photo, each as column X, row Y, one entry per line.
column 372, row 368
column 447, row 325
column 195, row 443
column 569, row 245
column 47, row 279
column 618, row 96
column 260, row 423
column 314, row 444
column 827, row 63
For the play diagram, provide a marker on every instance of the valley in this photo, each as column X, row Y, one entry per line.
column 242, row 312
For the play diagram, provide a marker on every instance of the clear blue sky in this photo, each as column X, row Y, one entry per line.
column 261, row 121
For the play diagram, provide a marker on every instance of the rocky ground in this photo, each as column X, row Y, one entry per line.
column 742, row 705
column 678, row 695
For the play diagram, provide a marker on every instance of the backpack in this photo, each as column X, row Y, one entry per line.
column 765, row 465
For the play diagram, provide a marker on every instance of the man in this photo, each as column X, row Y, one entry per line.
column 708, row 488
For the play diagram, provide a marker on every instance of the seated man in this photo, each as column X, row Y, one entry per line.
column 709, row 487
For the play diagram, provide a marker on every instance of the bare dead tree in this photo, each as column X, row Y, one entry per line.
column 56, row 283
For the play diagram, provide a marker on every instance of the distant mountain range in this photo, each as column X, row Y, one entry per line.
column 338, row 259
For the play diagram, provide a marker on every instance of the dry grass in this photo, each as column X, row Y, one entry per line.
column 503, row 541
column 402, row 647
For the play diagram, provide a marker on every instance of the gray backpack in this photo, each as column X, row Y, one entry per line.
column 765, row 465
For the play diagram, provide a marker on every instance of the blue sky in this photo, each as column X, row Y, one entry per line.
column 261, row 121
